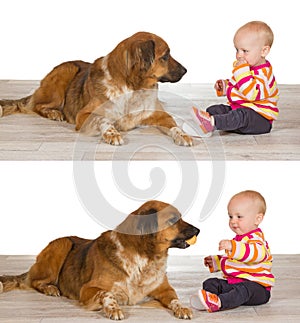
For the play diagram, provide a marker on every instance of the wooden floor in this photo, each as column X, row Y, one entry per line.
column 24, row 137
column 185, row 274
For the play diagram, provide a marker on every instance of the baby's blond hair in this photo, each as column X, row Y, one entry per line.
column 256, row 197
column 262, row 29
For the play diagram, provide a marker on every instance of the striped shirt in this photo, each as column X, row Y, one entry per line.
column 249, row 259
column 254, row 87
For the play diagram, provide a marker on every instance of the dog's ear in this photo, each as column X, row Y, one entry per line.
column 140, row 56
column 147, row 222
column 141, row 221
column 147, row 54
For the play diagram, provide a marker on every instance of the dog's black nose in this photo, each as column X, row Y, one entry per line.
column 196, row 231
column 183, row 70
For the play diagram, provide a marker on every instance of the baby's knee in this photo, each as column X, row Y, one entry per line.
column 210, row 283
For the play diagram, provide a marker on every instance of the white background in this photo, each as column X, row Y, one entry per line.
column 39, row 200
column 38, row 35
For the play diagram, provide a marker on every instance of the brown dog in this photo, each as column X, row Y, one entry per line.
column 122, row 266
column 117, row 92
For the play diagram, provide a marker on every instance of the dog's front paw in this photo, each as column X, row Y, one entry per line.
column 112, row 136
column 179, row 311
column 1, row 111
column 111, row 308
column 181, row 138
column 114, row 314
column 184, row 313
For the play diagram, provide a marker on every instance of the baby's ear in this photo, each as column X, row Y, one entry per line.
column 265, row 51
column 259, row 218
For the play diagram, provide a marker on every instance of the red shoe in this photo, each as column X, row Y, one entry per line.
column 209, row 300
column 203, row 120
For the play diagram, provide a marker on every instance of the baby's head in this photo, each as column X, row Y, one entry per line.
column 253, row 42
column 246, row 210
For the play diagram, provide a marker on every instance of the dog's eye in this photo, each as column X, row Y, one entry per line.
column 165, row 57
column 173, row 220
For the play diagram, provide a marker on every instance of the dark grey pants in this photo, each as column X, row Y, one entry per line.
column 243, row 121
column 234, row 295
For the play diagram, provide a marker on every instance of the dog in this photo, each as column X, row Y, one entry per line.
column 120, row 267
column 118, row 92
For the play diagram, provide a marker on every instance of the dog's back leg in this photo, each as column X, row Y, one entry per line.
column 49, row 99
column 44, row 274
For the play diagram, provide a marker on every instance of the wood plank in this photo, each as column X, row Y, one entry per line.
column 29, row 137
column 185, row 273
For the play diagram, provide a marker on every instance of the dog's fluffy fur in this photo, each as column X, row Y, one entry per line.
column 117, row 92
column 121, row 266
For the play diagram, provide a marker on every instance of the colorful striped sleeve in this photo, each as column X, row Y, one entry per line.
column 252, row 251
column 254, row 88
column 250, row 259
column 216, row 265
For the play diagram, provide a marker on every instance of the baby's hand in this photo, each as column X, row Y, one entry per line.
column 225, row 245
column 208, row 262
column 220, row 87
column 239, row 62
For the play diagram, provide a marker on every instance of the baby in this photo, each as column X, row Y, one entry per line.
column 252, row 92
column 247, row 262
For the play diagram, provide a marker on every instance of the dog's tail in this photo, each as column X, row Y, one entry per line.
column 8, row 283
column 15, row 106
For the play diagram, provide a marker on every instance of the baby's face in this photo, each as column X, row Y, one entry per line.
column 250, row 47
column 243, row 214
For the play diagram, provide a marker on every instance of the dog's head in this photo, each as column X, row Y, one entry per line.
column 145, row 59
column 161, row 223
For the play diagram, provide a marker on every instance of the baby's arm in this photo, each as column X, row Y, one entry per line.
column 213, row 263
column 251, row 251
column 249, row 85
